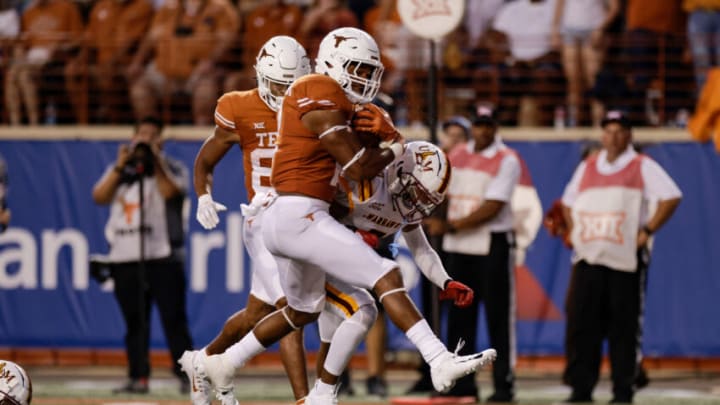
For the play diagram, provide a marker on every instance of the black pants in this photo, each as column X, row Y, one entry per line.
column 603, row 303
column 492, row 279
column 162, row 282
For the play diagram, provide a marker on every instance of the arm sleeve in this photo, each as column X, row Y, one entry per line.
column 658, row 184
column 425, row 257
column 502, row 186
column 572, row 188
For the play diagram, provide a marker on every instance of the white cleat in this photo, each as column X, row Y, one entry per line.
column 227, row 398
column 200, row 389
column 315, row 398
column 452, row 366
column 220, row 374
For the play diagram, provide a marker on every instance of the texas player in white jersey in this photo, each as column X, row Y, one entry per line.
column 249, row 119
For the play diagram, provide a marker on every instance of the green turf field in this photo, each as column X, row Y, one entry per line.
column 93, row 386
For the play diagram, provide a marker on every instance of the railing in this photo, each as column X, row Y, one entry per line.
column 650, row 77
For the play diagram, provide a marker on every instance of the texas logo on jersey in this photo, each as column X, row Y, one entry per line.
column 605, row 226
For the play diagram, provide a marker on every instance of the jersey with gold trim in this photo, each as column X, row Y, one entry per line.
column 244, row 113
column 302, row 165
column 370, row 206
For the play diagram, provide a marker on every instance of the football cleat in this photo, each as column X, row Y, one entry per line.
column 315, row 398
column 200, row 389
column 220, row 374
column 452, row 366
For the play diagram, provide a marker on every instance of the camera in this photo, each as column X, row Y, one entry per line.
column 140, row 164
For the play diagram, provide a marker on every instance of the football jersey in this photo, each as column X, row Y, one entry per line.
column 302, row 165
column 244, row 113
column 370, row 206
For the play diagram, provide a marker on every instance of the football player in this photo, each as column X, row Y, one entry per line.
column 248, row 119
column 315, row 146
column 15, row 385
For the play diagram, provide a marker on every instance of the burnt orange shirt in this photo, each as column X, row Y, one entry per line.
column 48, row 23
column 244, row 113
column 302, row 165
column 114, row 25
column 265, row 22
column 176, row 55
column 338, row 18
column 662, row 16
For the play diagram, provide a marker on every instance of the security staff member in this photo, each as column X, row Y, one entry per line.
column 606, row 208
column 479, row 243
column 153, row 271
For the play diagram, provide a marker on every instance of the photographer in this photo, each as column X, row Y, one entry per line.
column 146, row 267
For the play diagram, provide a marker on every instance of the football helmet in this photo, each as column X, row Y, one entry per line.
column 352, row 57
column 418, row 180
column 279, row 63
column 15, row 385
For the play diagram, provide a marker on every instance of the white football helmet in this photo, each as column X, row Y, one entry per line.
column 15, row 385
column 281, row 61
column 418, row 181
column 352, row 57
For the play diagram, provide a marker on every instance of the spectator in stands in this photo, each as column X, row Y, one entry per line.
column 189, row 39
column 114, row 31
column 155, row 273
column 9, row 30
column 703, row 30
column 605, row 206
column 655, row 32
column 478, row 238
column 530, row 73
column 268, row 19
column 321, row 18
column 50, row 30
column 579, row 30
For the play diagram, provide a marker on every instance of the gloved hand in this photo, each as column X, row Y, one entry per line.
column 459, row 292
column 370, row 238
column 207, row 211
column 377, row 121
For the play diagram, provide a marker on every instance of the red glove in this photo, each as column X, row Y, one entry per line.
column 377, row 121
column 554, row 222
column 368, row 237
column 459, row 292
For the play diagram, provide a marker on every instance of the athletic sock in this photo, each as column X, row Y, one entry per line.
column 239, row 353
column 424, row 339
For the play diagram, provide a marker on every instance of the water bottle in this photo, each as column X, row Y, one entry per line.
column 50, row 113
column 559, row 121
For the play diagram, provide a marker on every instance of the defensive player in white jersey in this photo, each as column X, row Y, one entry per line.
column 405, row 193
column 315, row 136
column 248, row 119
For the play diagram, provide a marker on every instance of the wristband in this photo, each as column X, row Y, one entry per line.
column 397, row 149
column 647, row 230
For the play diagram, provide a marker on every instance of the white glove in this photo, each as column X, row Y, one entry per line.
column 207, row 211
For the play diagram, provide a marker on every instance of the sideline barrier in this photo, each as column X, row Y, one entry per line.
column 48, row 300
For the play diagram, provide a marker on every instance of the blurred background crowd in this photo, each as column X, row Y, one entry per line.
column 540, row 62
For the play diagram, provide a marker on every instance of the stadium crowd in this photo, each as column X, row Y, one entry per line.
column 554, row 62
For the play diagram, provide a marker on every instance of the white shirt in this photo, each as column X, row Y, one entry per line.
column 528, row 27
column 658, row 186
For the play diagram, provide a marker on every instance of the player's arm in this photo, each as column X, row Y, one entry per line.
column 425, row 256
column 211, row 152
column 338, row 138
column 431, row 266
